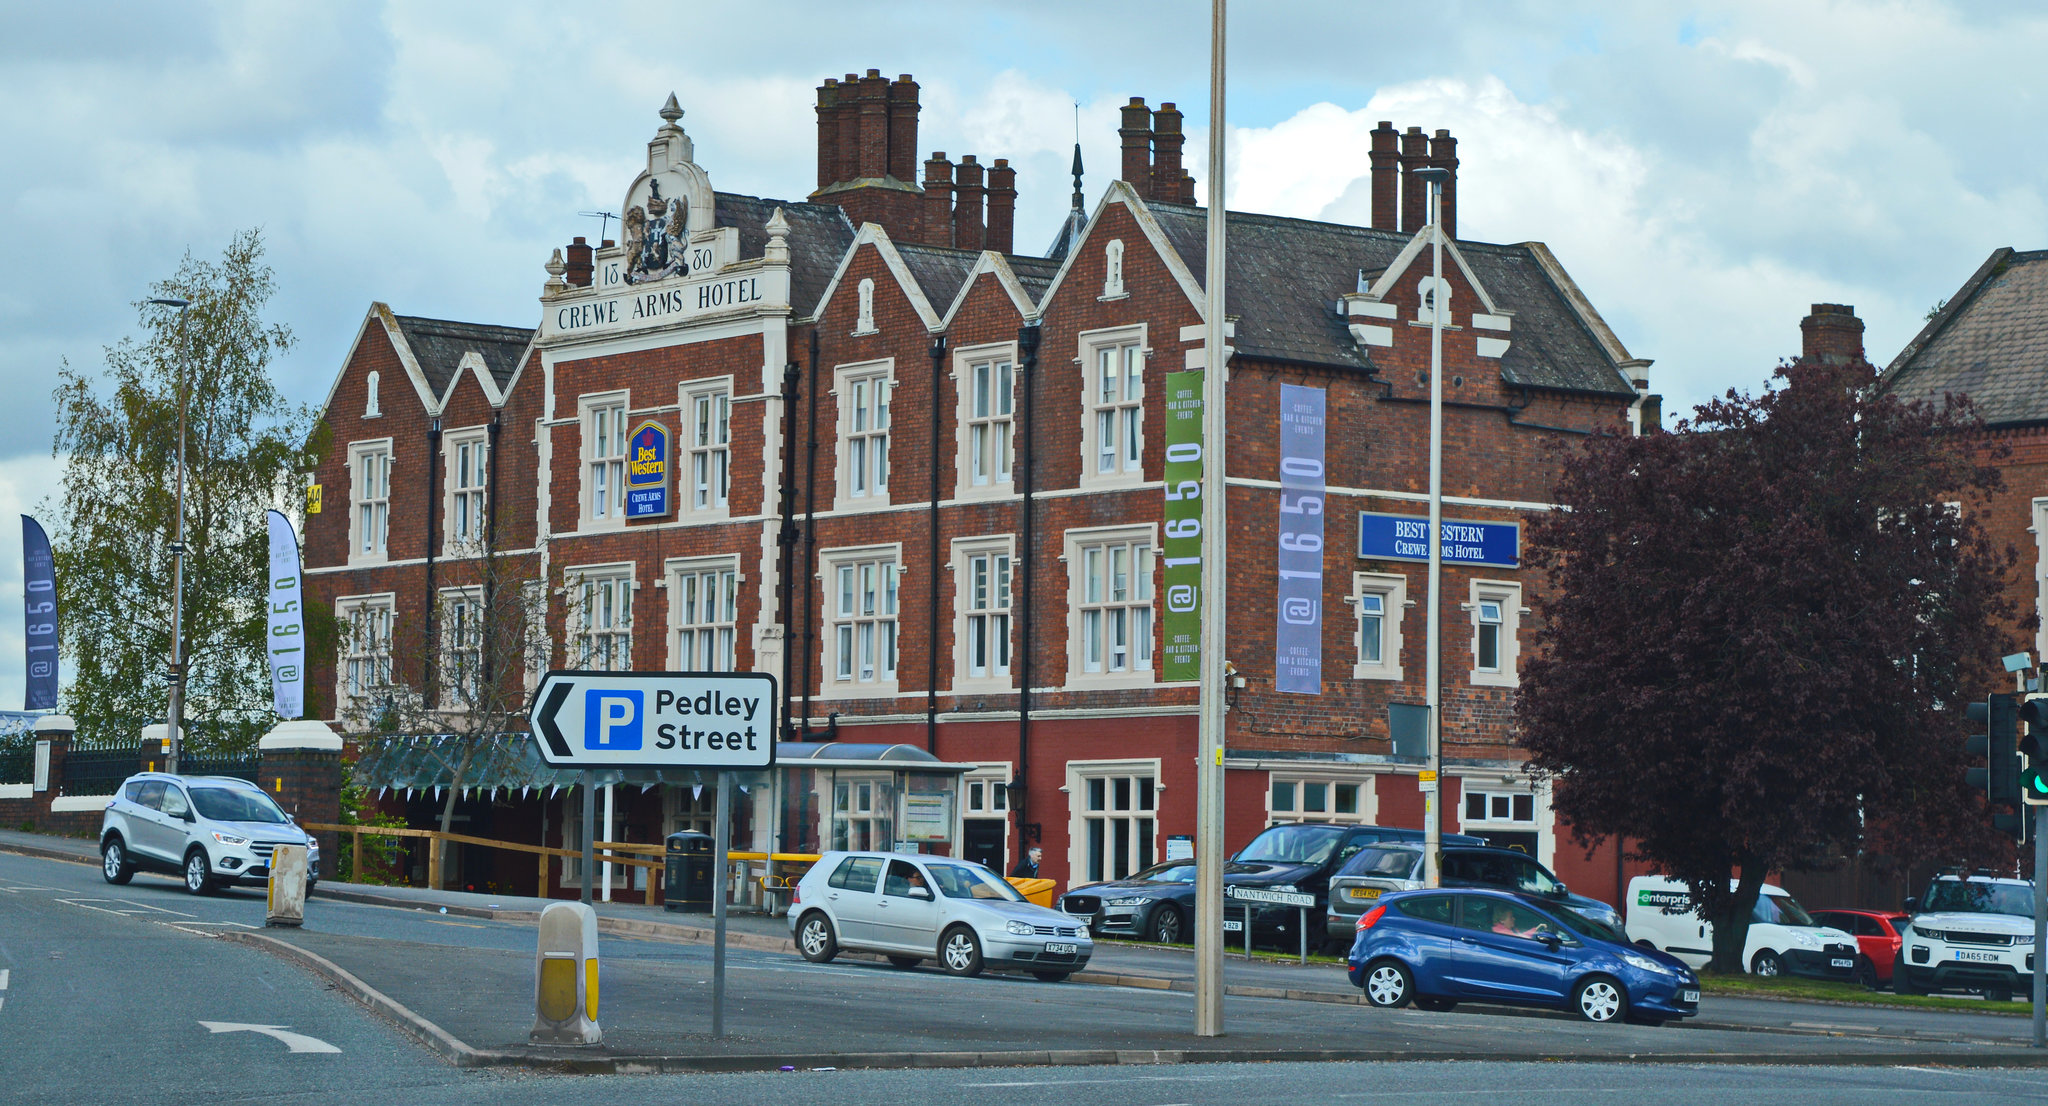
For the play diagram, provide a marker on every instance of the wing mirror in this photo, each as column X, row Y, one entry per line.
column 1550, row 940
column 924, row 893
column 1912, row 904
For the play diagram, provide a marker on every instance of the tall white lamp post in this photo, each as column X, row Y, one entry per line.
column 1432, row 798
column 177, row 719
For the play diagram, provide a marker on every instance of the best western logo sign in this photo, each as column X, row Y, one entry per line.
column 656, row 719
column 647, row 471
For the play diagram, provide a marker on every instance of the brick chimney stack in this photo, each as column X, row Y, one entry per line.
column 938, row 200
column 1136, row 133
column 1002, row 207
column 867, row 151
column 1443, row 154
column 580, row 271
column 1831, row 335
column 829, row 156
column 967, row 202
column 1414, row 193
column 1386, row 175
column 903, row 110
column 1170, row 183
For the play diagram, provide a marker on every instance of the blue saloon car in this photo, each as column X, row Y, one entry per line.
column 1439, row 948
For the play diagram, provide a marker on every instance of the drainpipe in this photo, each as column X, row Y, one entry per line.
column 786, row 537
column 427, row 673
column 1027, row 465
column 931, row 640
column 490, row 574
column 810, row 536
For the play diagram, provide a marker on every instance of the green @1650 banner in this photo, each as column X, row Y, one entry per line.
column 1181, row 628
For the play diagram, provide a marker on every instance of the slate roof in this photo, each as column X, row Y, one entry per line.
column 938, row 270
column 439, row 345
column 819, row 235
column 1286, row 274
column 1990, row 342
column 1035, row 274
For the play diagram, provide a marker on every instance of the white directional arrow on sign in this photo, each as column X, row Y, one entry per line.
column 297, row 1042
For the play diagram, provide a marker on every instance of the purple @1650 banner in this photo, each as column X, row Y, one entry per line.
column 1298, row 633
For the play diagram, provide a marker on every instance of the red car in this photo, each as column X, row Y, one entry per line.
column 1877, row 938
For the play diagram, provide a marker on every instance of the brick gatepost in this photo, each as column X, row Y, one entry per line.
column 302, row 772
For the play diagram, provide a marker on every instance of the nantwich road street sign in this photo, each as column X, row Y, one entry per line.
column 656, row 719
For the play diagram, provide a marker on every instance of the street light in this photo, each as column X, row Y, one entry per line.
column 175, row 740
column 1433, row 815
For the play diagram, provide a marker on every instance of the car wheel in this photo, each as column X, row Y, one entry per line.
column 1767, row 965
column 1866, row 973
column 906, row 961
column 1167, row 926
column 1051, row 977
column 114, row 862
column 1436, row 1005
column 1902, row 984
column 1388, row 984
column 198, row 877
column 310, row 884
column 1599, row 998
column 1997, row 994
column 815, row 939
column 960, row 952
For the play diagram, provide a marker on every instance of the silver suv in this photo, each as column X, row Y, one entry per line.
column 211, row 830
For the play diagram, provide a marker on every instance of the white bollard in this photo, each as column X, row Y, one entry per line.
column 565, row 976
column 287, row 906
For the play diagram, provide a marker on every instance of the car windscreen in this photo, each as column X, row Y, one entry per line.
column 222, row 804
column 1780, row 910
column 1307, row 843
column 1587, row 927
column 1173, row 871
column 1384, row 863
column 1954, row 896
column 969, row 881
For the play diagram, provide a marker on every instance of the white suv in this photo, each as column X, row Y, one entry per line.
column 1968, row 932
column 211, row 830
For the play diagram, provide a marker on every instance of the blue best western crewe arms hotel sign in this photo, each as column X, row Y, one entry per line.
column 1406, row 538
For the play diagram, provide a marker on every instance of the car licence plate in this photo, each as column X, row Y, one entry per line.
column 1363, row 892
column 1232, row 926
column 1840, row 963
column 1978, row 957
column 1062, row 949
column 1691, row 995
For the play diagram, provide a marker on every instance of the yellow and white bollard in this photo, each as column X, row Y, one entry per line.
column 287, row 905
column 565, row 977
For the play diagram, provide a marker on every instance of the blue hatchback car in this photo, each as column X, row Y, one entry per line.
column 1439, row 948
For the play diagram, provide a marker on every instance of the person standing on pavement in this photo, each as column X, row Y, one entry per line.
column 1027, row 865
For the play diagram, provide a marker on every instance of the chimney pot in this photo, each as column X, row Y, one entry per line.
column 580, row 270
column 1136, row 133
column 1167, row 143
column 1831, row 334
column 1386, row 174
column 938, row 200
column 968, row 233
column 1443, row 153
column 1002, row 207
column 1414, row 193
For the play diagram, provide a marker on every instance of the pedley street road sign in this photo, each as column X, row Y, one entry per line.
column 1282, row 898
column 656, row 719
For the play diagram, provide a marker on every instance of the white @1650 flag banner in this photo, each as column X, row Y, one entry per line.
column 1298, row 633
column 286, row 643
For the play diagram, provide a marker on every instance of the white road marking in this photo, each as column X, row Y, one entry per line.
column 3, row 985
column 297, row 1042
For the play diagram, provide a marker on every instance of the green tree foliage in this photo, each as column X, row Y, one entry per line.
column 117, row 432
column 1761, row 631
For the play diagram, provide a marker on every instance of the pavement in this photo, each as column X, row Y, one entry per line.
column 454, row 970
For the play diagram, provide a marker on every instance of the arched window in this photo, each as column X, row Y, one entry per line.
column 866, row 323
column 370, row 409
column 1113, row 269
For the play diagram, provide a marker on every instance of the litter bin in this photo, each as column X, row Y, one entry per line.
column 691, row 873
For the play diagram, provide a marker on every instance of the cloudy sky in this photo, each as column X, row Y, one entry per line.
column 1705, row 170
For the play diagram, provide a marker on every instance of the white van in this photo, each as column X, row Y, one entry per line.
column 1782, row 938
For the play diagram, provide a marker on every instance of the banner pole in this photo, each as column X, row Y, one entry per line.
column 721, row 842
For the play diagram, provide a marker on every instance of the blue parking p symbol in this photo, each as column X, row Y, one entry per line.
column 612, row 719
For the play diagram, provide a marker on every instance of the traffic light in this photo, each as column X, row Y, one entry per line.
column 1998, row 745
column 2033, row 749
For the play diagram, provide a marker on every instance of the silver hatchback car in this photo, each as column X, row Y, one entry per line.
column 911, row 908
column 212, row 831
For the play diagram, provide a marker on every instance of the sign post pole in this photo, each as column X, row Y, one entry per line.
column 589, row 785
column 2040, row 926
column 720, row 844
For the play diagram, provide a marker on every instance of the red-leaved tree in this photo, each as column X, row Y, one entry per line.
column 1760, row 633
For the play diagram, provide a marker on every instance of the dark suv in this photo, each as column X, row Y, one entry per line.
column 1397, row 866
column 1301, row 857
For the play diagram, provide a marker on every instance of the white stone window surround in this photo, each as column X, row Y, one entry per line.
column 1124, row 434
column 371, row 406
column 1138, row 845
column 867, row 652
column 1315, row 796
column 602, row 417
column 369, row 497
column 1391, row 592
column 983, row 606
column 864, row 294
column 985, row 400
column 985, row 791
column 460, row 637
column 366, row 623
column 599, row 634
column 1425, row 302
column 1144, row 657
column 1508, row 786
column 466, row 454
column 1496, row 606
column 862, row 392
column 1113, row 271
column 704, row 448
column 703, row 613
